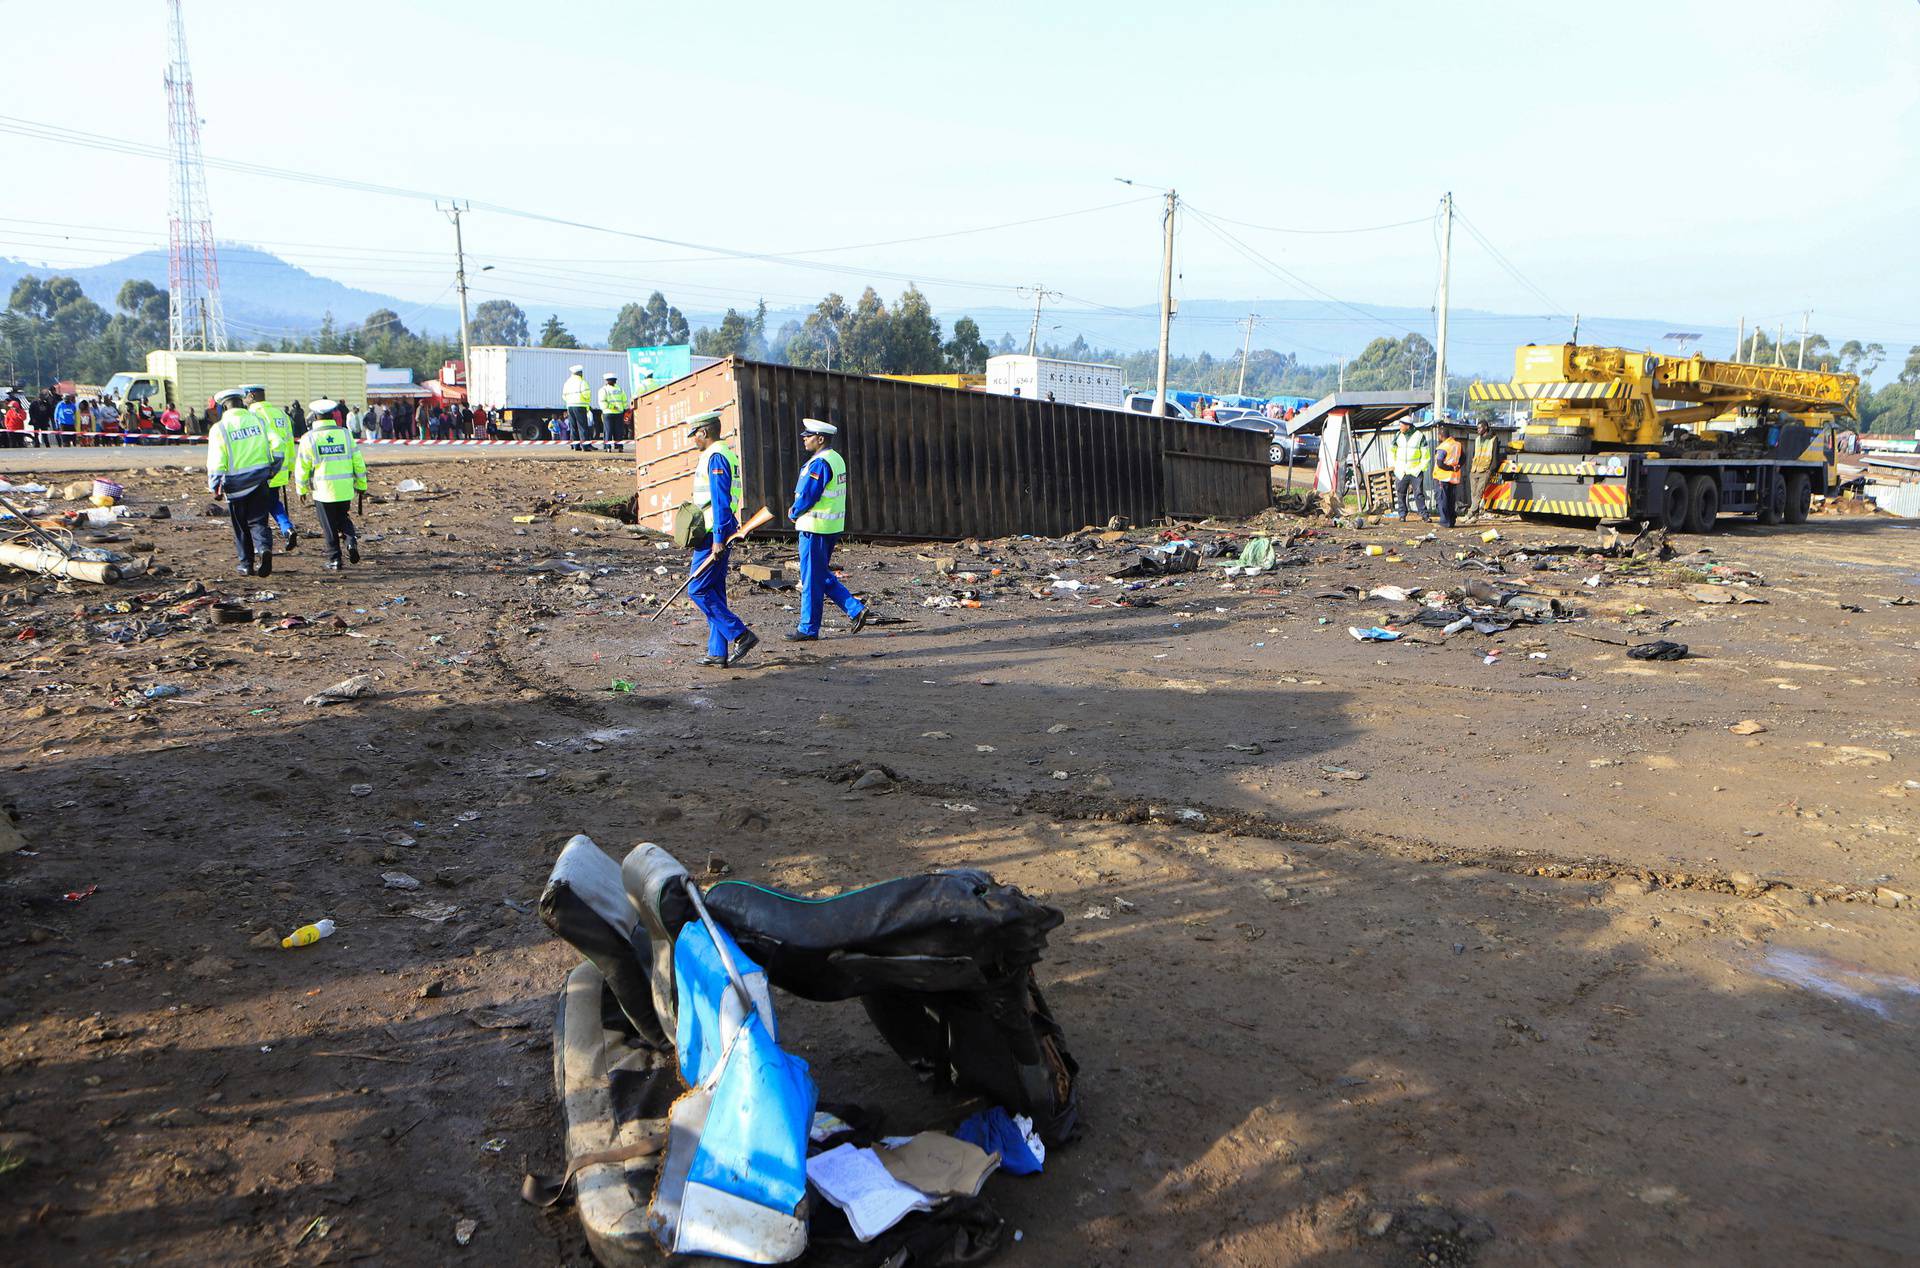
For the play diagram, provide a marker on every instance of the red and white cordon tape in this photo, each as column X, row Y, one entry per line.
column 458, row 441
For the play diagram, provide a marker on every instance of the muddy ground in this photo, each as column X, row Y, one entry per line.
column 1374, row 953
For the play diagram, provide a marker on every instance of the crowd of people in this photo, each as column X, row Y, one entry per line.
column 430, row 419
column 52, row 419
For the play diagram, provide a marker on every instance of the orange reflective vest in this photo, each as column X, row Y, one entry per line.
column 1446, row 463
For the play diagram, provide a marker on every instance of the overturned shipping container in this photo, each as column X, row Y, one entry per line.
column 934, row 463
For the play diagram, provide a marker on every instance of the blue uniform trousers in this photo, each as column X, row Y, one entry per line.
column 818, row 584
column 249, row 512
column 709, row 594
column 280, row 517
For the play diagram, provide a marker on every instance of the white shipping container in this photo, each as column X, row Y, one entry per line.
column 1070, row 382
column 508, row 378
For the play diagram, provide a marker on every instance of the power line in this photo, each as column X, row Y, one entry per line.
column 1398, row 224
column 1508, row 265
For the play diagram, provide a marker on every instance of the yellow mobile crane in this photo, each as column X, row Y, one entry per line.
column 1677, row 441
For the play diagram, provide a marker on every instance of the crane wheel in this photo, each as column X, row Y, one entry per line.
column 1560, row 440
column 1799, row 498
column 1703, row 504
column 1773, row 508
column 1674, row 500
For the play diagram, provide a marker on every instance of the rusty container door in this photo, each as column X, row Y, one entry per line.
column 931, row 462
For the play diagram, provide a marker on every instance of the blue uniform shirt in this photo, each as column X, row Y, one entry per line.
column 726, row 520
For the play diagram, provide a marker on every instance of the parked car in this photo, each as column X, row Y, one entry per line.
column 1284, row 447
column 1142, row 403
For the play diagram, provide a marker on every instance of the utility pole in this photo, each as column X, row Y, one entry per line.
column 1780, row 345
column 1166, row 304
column 1739, row 345
column 1343, row 376
column 1806, row 318
column 1040, row 296
column 1576, row 328
column 1440, row 345
column 1246, row 346
column 453, row 211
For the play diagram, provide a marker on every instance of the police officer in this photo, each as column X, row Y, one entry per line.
column 613, row 403
column 243, row 454
column 330, row 470
column 578, row 398
column 819, row 511
column 1411, row 458
column 282, row 424
column 717, row 490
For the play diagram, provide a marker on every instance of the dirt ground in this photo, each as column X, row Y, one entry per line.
column 1375, row 953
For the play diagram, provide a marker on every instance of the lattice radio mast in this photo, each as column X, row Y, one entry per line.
column 195, row 321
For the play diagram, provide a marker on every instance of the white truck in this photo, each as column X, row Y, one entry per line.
column 521, row 386
column 1047, row 378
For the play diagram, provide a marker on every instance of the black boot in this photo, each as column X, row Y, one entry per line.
column 741, row 646
column 353, row 550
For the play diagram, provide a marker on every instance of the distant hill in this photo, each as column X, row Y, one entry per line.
column 266, row 296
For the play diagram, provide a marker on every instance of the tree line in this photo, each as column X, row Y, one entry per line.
column 51, row 331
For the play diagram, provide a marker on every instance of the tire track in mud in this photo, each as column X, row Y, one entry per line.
column 1219, row 820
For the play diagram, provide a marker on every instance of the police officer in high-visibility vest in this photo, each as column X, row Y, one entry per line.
column 330, row 470
column 578, row 398
column 718, row 491
column 613, row 403
column 1411, row 458
column 819, row 511
column 282, row 423
column 243, row 454
column 1448, row 459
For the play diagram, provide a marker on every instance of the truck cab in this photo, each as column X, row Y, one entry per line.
column 130, row 389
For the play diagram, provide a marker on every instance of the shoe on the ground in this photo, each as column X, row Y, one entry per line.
column 263, row 567
column 333, row 565
column 246, row 570
column 795, row 636
column 741, row 646
column 293, row 538
column 353, row 550
column 715, row 661
column 860, row 621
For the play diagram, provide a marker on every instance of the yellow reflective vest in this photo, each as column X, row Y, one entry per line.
column 575, row 394
column 275, row 417
column 1411, row 456
column 330, row 467
column 243, row 453
column 829, row 514
column 613, row 399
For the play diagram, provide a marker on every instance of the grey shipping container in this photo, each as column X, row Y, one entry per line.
column 931, row 462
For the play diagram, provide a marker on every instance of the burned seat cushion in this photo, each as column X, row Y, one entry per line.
column 585, row 903
column 957, row 930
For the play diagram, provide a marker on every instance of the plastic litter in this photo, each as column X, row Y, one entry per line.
column 162, row 691
column 1373, row 634
column 1664, row 649
column 307, row 935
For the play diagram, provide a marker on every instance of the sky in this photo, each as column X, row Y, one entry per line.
column 1698, row 161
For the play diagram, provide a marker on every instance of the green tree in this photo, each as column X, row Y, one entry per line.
column 555, row 335
column 1861, row 358
column 966, row 352
column 383, row 323
column 818, row 342
column 649, row 325
column 45, row 327
column 730, row 339
column 499, row 321
column 143, row 313
column 913, row 336
column 865, row 337
column 1910, row 372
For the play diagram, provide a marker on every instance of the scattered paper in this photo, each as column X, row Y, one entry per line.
column 858, row 1183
